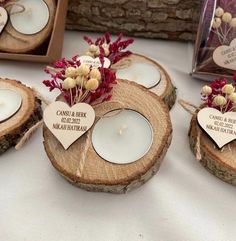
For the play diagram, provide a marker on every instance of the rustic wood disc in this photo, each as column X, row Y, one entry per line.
column 96, row 174
column 221, row 163
column 164, row 89
column 29, row 114
column 12, row 41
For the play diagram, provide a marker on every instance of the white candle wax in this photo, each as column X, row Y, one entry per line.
column 3, row 18
column 123, row 138
column 33, row 19
column 142, row 73
column 10, row 102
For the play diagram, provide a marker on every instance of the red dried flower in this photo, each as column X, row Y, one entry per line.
column 79, row 92
column 222, row 88
column 115, row 50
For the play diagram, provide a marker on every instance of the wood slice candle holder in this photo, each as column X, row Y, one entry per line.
column 164, row 88
column 221, row 163
column 28, row 115
column 12, row 41
column 96, row 174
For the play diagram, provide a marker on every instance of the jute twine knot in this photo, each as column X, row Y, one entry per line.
column 39, row 124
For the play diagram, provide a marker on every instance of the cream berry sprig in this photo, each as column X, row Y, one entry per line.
column 79, row 82
column 222, row 24
column 114, row 51
column 94, row 50
column 220, row 95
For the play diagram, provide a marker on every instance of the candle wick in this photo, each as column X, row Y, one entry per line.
column 122, row 129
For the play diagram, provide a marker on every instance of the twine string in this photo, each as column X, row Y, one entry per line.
column 198, row 145
column 39, row 124
column 122, row 64
column 190, row 108
column 11, row 4
column 88, row 134
column 28, row 134
column 84, row 153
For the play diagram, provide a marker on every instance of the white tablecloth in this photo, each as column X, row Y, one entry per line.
column 183, row 202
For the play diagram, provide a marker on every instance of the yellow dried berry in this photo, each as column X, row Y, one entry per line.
column 69, row 83
column 219, row 101
column 219, row 12
column 206, row 90
column 83, row 70
column 228, row 89
column 106, row 51
column 216, row 23
column 95, row 74
column 70, row 72
column 93, row 48
column 227, row 17
column 97, row 53
column 105, row 45
column 233, row 23
column 89, row 54
column 92, row 84
column 80, row 80
column 232, row 97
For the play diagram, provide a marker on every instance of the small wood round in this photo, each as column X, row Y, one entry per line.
column 12, row 41
column 221, row 163
column 100, row 175
column 29, row 114
column 164, row 89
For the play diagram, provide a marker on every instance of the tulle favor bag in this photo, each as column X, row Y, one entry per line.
column 215, row 48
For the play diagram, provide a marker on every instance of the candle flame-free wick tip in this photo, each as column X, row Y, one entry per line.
column 122, row 129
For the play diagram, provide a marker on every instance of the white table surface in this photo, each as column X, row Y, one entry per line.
column 183, row 202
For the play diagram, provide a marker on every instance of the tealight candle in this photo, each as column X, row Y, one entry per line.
column 142, row 73
column 10, row 102
column 33, row 19
column 122, row 136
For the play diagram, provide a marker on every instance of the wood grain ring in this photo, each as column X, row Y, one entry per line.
column 165, row 89
column 222, row 164
column 100, row 175
column 29, row 114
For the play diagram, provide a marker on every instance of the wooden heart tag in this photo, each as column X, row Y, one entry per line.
column 225, row 56
column 220, row 127
column 68, row 123
column 3, row 18
column 95, row 63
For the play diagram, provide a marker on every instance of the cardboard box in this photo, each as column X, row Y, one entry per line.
column 51, row 50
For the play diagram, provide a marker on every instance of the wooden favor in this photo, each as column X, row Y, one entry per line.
column 12, row 41
column 221, row 163
column 89, row 171
column 28, row 115
column 164, row 88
